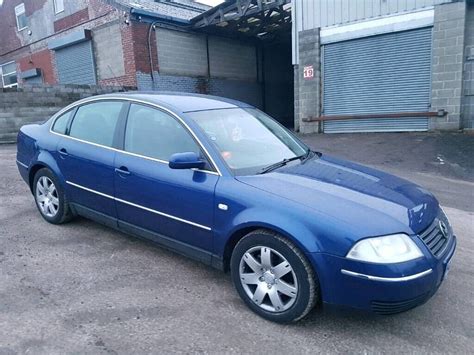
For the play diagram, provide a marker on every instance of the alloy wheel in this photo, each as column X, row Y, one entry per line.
column 47, row 196
column 268, row 279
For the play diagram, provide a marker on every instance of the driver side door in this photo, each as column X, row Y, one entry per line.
column 154, row 200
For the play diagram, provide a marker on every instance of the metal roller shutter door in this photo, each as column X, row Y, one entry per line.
column 75, row 64
column 380, row 74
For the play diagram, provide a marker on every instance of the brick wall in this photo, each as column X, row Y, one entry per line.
column 19, row 46
column 37, row 103
column 71, row 20
column 140, row 48
column 308, row 91
column 43, row 60
column 9, row 40
column 448, row 58
column 468, row 103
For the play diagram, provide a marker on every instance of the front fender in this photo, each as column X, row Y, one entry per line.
column 286, row 224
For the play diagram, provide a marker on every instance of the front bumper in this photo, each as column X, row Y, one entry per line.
column 383, row 289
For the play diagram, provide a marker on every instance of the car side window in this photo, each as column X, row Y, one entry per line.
column 61, row 123
column 96, row 122
column 156, row 134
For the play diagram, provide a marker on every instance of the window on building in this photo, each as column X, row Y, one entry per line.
column 8, row 73
column 20, row 17
column 58, row 6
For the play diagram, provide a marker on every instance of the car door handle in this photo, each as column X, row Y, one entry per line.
column 63, row 152
column 122, row 170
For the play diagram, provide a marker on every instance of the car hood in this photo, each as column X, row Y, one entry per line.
column 370, row 201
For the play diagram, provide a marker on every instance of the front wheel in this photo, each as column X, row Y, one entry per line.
column 273, row 277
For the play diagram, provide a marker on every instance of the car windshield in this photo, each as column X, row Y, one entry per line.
column 247, row 139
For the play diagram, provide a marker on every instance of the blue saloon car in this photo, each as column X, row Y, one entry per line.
column 221, row 182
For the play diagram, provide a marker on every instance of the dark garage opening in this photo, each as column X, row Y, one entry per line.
column 278, row 85
column 268, row 26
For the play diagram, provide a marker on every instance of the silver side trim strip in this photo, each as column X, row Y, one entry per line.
column 20, row 163
column 90, row 190
column 140, row 206
column 387, row 279
column 128, row 153
column 92, row 99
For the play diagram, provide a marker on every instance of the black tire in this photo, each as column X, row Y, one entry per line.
column 308, row 293
column 63, row 214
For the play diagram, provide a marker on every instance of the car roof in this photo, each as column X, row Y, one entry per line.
column 182, row 102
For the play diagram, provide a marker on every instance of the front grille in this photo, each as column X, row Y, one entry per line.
column 387, row 308
column 434, row 237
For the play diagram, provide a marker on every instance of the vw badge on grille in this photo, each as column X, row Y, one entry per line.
column 443, row 228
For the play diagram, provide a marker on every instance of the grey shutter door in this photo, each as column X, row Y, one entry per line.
column 75, row 64
column 387, row 73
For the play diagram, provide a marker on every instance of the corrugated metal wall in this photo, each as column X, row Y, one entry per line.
column 309, row 14
column 75, row 64
column 380, row 74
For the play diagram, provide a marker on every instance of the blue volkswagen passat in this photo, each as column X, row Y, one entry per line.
column 220, row 181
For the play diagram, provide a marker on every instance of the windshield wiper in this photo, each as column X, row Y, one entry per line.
column 284, row 162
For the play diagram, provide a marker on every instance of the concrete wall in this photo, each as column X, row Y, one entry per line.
column 246, row 91
column 192, row 62
column 468, row 103
column 108, row 51
column 308, row 91
column 37, row 103
column 189, row 54
column 181, row 53
column 447, row 69
column 231, row 59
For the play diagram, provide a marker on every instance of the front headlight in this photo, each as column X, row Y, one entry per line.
column 394, row 248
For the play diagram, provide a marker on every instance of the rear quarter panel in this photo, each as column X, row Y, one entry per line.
column 36, row 148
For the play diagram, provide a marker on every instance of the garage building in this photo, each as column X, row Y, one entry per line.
column 382, row 65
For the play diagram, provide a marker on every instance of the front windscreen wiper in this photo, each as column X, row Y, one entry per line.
column 283, row 162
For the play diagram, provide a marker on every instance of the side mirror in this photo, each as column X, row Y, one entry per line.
column 188, row 160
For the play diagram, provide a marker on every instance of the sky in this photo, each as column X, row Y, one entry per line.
column 207, row 2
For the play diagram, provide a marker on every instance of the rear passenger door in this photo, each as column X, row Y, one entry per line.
column 152, row 196
column 85, row 157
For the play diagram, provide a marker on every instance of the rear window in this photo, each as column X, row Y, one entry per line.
column 61, row 123
column 96, row 122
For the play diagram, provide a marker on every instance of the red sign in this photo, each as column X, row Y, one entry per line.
column 308, row 72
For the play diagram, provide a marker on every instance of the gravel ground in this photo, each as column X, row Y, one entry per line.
column 83, row 288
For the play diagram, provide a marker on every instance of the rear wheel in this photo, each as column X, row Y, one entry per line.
column 50, row 198
column 273, row 277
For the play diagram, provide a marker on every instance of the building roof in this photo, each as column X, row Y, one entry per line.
column 180, row 9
